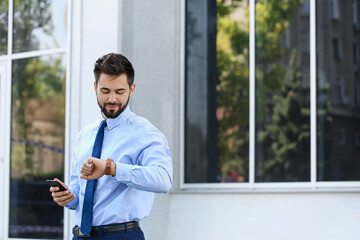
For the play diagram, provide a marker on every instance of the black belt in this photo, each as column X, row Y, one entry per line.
column 112, row 228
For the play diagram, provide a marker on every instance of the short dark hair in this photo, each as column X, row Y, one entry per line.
column 114, row 64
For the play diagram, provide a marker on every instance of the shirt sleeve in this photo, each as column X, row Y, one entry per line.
column 154, row 170
column 74, row 186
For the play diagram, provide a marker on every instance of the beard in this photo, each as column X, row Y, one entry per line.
column 113, row 113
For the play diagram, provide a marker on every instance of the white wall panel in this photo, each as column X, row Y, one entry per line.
column 295, row 216
column 99, row 36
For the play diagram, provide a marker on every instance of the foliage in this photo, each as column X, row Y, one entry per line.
column 282, row 99
column 283, row 111
column 4, row 5
column 40, row 79
column 30, row 15
column 232, row 93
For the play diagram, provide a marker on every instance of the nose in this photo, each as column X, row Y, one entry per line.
column 112, row 98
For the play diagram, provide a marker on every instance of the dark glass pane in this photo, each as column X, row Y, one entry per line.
column 37, row 146
column 39, row 24
column 217, row 91
column 282, row 151
column 338, row 90
column 3, row 26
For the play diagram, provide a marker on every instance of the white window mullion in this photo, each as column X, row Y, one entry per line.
column 38, row 53
column 182, row 96
column 252, row 94
column 67, row 155
column 3, row 164
column 7, row 122
column 313, row 155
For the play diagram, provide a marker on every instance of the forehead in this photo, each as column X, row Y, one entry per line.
column 113, row 82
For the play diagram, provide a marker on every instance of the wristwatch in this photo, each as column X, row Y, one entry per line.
column 107, row 170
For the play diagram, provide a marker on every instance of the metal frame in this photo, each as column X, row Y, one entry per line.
column 252, row 186
column 5, row 113
column 3, row 131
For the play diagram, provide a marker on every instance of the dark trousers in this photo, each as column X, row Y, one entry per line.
column 135, row 234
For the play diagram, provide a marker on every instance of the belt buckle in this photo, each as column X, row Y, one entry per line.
column 80, row 234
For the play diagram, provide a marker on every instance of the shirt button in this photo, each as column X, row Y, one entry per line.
column 140, row 182
column 122, row 177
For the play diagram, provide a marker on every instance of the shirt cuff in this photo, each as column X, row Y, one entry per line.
column 123, row 172
column 72, row 205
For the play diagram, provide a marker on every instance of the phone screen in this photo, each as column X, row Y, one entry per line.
column 54, row 183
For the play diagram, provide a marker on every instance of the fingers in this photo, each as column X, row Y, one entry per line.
column 87, row 167
column 86, row 177
column 92, row 168
column 62, row 198
column 54, row 189
column 63, row 184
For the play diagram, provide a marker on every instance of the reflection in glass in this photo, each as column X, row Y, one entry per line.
column 39, row 24
column 3, row 26
column 282, row 151
column 233, row 91
column 338, row 108
column 217, row 99
column 37, row 146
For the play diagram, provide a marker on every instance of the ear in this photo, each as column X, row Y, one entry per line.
column 132, row 89
column 95, row 86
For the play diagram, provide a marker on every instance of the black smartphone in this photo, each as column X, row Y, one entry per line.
column 54, row 183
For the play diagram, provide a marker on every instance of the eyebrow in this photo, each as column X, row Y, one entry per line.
column 119, row 89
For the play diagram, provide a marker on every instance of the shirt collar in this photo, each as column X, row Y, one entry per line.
column 113, row 122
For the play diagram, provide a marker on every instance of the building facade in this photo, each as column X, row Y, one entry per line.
column 259, row 100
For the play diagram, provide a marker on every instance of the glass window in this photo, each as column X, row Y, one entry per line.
column 37, row 146
column 39, row 24
column 336, row 48
column 282, row 93
column 338, row 117
column 356, row 55
column 305, row 42
column 334, row 9
column 357, row 93
column 3, row 26
column 305, row 8
column 355, row 12
column 341, row 97
column 217, row 91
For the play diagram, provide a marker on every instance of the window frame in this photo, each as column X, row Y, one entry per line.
column 4, row 131
column 5, row 117
column 313, row 185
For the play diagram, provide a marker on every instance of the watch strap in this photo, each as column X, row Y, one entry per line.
column 107, row 170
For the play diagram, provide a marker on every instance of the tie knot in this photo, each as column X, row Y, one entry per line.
column 103, row 124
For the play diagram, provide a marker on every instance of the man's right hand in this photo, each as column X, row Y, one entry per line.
column 61, row 198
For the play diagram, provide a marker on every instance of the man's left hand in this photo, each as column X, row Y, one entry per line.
column 93, row 168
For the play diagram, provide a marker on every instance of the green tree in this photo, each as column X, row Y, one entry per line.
column 232, row 92
column 4, row 6
column 282, row 102
column 38, row 78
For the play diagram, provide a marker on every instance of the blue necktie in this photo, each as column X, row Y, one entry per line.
column 87, row 212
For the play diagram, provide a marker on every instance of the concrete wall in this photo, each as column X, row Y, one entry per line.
column 282, row 216
column 148, row 32
column 149, row 37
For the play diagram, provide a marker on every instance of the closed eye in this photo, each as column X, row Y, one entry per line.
column 105, row 91
column 120, row 92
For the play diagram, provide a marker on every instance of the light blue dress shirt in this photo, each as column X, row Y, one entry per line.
column 143, row 167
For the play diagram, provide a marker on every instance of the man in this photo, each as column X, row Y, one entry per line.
column 125, row 153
